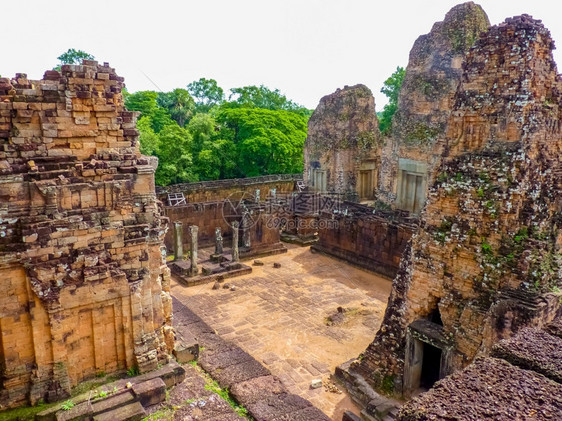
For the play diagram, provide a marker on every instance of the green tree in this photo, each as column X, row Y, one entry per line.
column 263, row 97
column 148, row 139
column 207, row 94
column 72, row 56
column 217, row 160
column 174, row 155
column 202, row 129
column 391, row 89
column 179, row 104
column 267, row 141
column 146, row 102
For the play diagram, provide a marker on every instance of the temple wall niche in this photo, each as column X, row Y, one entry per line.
column 81, row 235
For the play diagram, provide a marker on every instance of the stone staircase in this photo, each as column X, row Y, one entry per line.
column 123, row 400
column 376, row 407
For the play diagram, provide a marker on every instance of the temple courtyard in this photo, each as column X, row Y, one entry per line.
column 287, row 318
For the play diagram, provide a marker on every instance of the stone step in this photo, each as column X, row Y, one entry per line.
column 131, row 412
column 112, row 402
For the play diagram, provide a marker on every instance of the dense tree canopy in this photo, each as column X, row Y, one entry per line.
column 391, row 89
column 197, row 135
column 207, row 94
column 268, row 142
column 263, row 97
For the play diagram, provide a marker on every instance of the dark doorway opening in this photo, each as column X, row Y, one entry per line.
column 431, row 365
column 435, row 317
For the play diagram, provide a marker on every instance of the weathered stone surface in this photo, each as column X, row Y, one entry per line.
column 241, row 372
column 131, row 412
column 276, row 407
column 150, row 392
column 306, row 414
column 257, row 389
column 112, row 401
column 86, row 289
column 426, row 99
column 372, row 239
column 488, row 389
column 487, row 254
column 533, row 349
column 186, row 350
column 211, row 408
column 342, row 132
column 216, row 362
column 350, row 416
column 250, row 382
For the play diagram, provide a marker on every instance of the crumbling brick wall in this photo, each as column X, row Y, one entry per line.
column 85, row 289
column 374, row 240
column 487, row 255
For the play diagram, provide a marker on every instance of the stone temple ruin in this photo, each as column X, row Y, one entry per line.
column 485, row 260
column 85, row 285
column 460, row 206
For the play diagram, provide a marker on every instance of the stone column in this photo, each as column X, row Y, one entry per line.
column 235, row 254
column 218, row 241
column 178, row 241
column 246, row 222
column 193, row 231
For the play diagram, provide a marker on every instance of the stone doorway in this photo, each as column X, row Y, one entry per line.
column 367, row 180
column 431, row 365
column 412, row 185
column 320, row 180
column 428, row 354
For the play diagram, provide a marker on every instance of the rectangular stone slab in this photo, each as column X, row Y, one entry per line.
column 112, row 402
column 150, row 392
column 132, row 412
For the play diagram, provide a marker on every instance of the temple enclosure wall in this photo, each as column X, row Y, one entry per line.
column 216, row 204
column 371, row 240
column 219, row 190
column 85, row 289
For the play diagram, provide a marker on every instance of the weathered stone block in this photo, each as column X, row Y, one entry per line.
column 150, row 392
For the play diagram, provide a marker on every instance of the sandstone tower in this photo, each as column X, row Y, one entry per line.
column 340, row 152
column 85, row 289
column 425, row 101
column 486, row 260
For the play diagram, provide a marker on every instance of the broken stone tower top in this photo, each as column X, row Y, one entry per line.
column 342, row 132
column 85, row 286
column 433, row 74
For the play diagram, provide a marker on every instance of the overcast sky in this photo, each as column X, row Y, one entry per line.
column 305, row 48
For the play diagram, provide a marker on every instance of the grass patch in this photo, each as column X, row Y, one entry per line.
column 26, row 413
column 88, row 385
column 162, row 414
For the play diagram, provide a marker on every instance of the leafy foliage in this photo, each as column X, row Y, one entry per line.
column 197, row 135
column 178, row 103
column 207, row 94
column 268, row 142
column 263, row 97
column 72, row 56
column 391, row 89
column 67, row 405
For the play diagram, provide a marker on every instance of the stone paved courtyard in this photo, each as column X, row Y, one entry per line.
column 281, row 316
